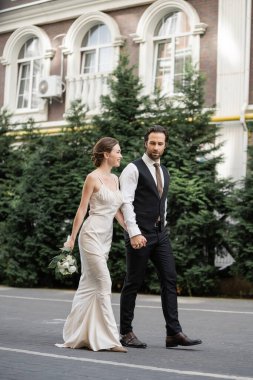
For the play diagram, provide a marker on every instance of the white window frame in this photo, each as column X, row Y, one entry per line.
column 73, row 40
column 96, row 48
column 21, row 62
column 144, row 36
column 172, row 39
column 10, row 61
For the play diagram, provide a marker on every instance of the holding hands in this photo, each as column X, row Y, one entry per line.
column 138, row 241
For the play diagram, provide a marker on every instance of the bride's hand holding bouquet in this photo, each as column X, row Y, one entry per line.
column 65, row 263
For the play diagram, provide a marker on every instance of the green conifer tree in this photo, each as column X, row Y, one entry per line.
column 15, row 162
column 53, row 171
column 8, row 165
column 197, row 211
column 123, row 110
column 10, row 172
column 242, row 226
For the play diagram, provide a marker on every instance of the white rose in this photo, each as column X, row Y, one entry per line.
column 65, row 265
column 70, row 260
column 72, row 269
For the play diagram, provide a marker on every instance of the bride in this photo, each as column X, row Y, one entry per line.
column 91, row 322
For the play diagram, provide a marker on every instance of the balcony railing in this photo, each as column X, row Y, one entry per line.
column 89, row 89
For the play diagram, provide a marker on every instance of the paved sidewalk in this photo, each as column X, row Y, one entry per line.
column 31, row 322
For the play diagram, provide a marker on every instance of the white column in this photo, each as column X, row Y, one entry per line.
column 233, row 137
column 233, row 54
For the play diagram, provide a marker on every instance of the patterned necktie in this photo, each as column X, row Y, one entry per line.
column 158, row 179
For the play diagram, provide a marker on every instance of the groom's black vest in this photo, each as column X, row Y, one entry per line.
column 148, row 206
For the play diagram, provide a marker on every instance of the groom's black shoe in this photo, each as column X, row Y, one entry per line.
column 180, row 339
column 131, row 340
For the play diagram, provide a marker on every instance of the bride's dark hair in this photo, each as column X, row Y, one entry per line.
column 103, row 145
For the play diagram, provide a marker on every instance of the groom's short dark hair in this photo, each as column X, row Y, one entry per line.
column 156, row 129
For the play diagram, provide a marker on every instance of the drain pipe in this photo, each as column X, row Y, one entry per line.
column 247, row 63
column 246, row 78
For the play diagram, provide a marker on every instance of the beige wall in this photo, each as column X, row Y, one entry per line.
column 5, row 4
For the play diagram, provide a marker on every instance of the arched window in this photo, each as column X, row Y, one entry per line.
column 27, row 57
column 169, row 36
column 29, row 70
column 92, row 46
column 173, row 49
column 96, row 50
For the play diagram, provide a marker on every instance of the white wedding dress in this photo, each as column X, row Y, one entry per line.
column 91, row 322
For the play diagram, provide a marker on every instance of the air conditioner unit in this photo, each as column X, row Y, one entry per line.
column 50, row 87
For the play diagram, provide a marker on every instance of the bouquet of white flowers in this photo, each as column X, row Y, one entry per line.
column 64, row 263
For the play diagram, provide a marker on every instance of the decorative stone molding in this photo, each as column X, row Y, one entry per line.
column 200, row 28
column 136, row 38
column 50, row 53
column 50, row 11
column 4, row 61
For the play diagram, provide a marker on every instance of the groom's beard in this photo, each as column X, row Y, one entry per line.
column 155, row 156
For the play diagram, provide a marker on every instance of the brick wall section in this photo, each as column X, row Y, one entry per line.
column 127, row 20
column 208, row 13
column 57, row 109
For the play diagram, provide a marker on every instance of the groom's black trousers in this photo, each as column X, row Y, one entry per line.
column 158, row 250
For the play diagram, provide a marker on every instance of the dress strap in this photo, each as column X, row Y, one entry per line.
column 116, row 182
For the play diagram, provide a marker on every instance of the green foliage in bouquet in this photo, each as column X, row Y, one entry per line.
column 64, row 264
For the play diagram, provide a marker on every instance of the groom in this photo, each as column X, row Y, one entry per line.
column 144, row 184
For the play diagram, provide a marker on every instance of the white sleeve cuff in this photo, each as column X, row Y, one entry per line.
column 133, row 231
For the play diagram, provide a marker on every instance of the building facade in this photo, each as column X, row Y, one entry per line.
column 55, row 51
